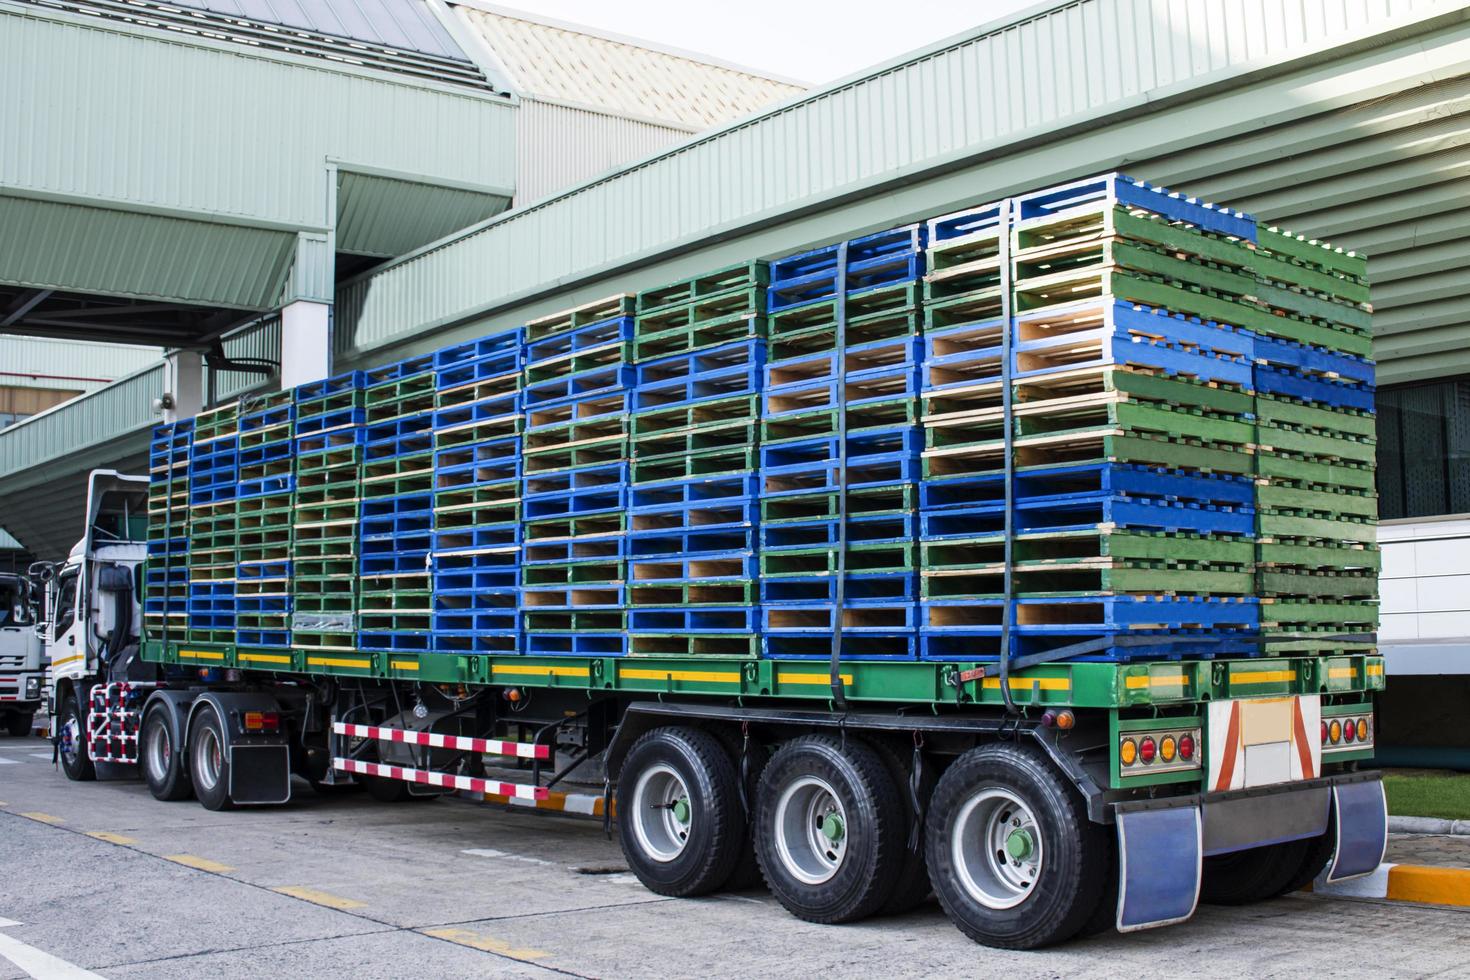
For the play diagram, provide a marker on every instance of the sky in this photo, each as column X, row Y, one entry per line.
column 808, row 40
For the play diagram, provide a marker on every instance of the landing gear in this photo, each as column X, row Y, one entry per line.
column 1012, row 856
column 679, row 816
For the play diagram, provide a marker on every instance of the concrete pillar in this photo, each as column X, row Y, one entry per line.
column 306, row 342
column 183, row 380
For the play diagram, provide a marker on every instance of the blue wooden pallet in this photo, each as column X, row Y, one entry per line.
column 1113, row 647
column 168, row 547
column 607, row 595
column 408, row 505
column 342, row 419
column 877, row 358
column 475, row 620
column 905, row 441
column 588, row 337
column 536, row 644
column 263, row 604
column 861, row 529
column 604, row 380
column 873, row 260
column 1309, row 388
column 817, row 476
column 487, row 537
column 211, row 621
column 587, row 547
column 335, row 385
column 857, row 587
column 822, row 617
column 1093, row 613
column 561, row 493
column 690, row 542
column 263, row 638
column 679, row 569
column 1083, row 513
column 1308, row 359
column 399, row 370
column 506, row 406
column 1116, row 188
column 715, row 515
column 1062, row 483
column 692, row 492
column 504, row 642
column 728, row 371
column 268, row 417
column 855, row 646
column 499, row 344
column 265, row 570
column 401, row 562
column 693, row 619
column 327, row 441
column 463, row 467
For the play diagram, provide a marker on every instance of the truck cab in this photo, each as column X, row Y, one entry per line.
column 93, row 610
column 22, row 656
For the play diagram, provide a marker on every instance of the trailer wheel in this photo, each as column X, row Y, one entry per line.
column 679, row 818
column 163, row 763
column 209, row 760
column 829, row 829
column 1012, row 856
column 747, row 873
column 912, row 886
column 71, row 742
column 19, row 724
column 1315, row 862
column 1255, row 874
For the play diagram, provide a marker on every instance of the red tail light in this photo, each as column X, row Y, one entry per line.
column 262, row 721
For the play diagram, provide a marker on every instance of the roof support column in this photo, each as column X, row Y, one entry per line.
column 306, row 313
column 183, row 383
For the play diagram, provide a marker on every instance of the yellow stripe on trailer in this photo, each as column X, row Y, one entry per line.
column 337, row 662
column 1263, row 677
column 536, row 670
column 264, row 658
column 1342, row 673
column 1025, row 683
column 1135, row 682
column 708, row 676
column 1375, row 670
column 404, row 664
column 814, row 680
column 202, row 654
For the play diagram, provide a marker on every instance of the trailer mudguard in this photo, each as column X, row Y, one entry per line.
column 1360, row 811
column 1160, row 858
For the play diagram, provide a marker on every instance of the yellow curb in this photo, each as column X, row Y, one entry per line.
column 1430, row 886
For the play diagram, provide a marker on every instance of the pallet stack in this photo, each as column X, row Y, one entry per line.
column 166, row 581
column 838, row 546
column 395, row 533
column 476, row 503
column 693, row 505
column 214, row 477
column 574, row 483
column 263, row 507
column 329, row 438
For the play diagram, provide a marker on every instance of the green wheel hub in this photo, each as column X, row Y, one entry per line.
column 832, row 827
column 1019, row 844
column 681, row 809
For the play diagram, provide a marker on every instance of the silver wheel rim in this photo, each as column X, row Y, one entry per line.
column 71, row 734
column 663, row 815
column 811, row 830
column 208, row 759
column 160, row 752
column 997, row 849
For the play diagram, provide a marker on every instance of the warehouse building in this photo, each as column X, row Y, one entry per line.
column 420, row 195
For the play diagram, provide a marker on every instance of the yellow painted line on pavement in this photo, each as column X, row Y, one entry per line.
column 488, row 944
column 110, row 837
column 37, row 815
column 1431, row 886
column 198, row 863
column 320, row 898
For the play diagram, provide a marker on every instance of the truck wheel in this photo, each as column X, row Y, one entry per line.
column 1255, row 874
column 209, row 760
column 386, row 790
column 163, row 764
column 747, row 873
column 912, row 886
column 71, row 741
column 679, row 817
column 829, row 829
column 1318, row 854
column 1012, row 856
column 19, row 724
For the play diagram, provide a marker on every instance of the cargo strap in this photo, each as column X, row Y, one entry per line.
column 1007, row 317
column 839, row 306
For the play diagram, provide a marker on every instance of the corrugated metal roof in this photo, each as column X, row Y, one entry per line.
column 404, row 24
column 566, row 63
column 386, row 217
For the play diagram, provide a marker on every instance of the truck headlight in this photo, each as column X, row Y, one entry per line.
column 33, row 688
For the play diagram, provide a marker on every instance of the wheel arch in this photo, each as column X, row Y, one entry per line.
column 176, row 708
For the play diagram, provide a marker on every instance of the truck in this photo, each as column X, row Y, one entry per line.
column 22, row 663
column 218, row 630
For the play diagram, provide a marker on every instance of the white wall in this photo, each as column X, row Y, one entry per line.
column 1424, row 621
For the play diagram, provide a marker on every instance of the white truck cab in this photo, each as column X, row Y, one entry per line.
column 22, row 656
column 93, row 606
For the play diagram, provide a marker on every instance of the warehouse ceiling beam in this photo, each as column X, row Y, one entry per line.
column 22, row 305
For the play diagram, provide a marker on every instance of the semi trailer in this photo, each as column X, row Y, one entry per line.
column 1022, row 556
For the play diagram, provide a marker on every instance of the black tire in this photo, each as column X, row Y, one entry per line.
column 19, row 724
column 1104, row 918
column 1044, row 890
column 1253, row 875
column 160, row 759
column 209, row 761
column 808, row 782
column 386, row 790
column 912, row 888
column 1319, row 852
column 747, row 873
column 71, row 728
column 677, row 771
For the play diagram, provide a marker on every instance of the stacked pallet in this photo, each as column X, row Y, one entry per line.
column 840, row 445
column 263, row 507
column 476, row 502
column 574, row 489
column 395, row 532
column 214, row 476
column 166, row 580
column 329, row 437
column 692, row 505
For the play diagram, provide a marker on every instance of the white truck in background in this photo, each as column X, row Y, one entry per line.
column 22, row 656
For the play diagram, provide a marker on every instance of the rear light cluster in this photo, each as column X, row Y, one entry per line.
column 1343, row 732
column 1140, row 753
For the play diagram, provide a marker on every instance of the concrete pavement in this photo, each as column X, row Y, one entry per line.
column 104, row 877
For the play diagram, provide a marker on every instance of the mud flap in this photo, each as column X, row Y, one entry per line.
column 1160, row 850
column 1360, row 812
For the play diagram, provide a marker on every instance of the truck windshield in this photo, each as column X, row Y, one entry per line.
column 14, row 602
